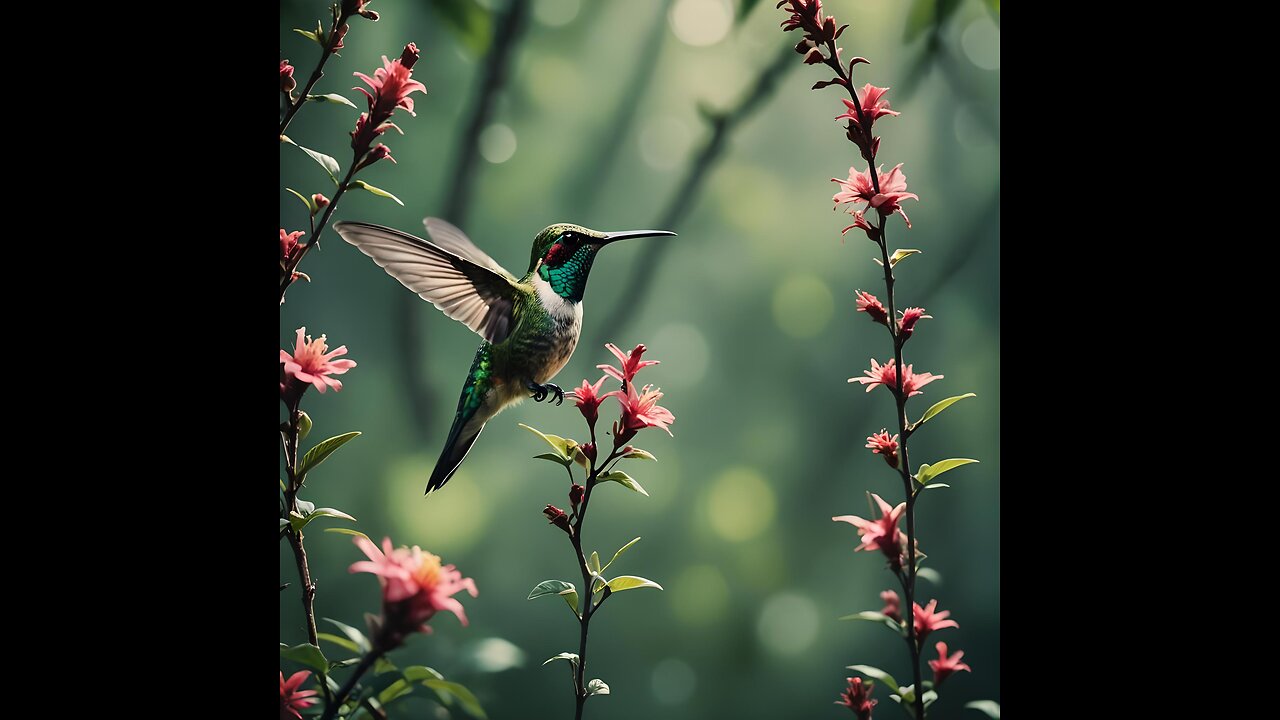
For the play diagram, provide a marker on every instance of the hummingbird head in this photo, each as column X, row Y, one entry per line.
column 563, row 253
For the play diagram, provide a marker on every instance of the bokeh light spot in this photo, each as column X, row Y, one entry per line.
column 981, row 43
column 497, row 143
column 788, row 624
column 699, row 594
column 803, row 305
column 701, row 22
column 673, row 681
column 740, row 504
column 456, row 514
column 683, row 348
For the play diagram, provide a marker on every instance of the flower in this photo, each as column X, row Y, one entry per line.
column 289, row 246
column 859, row 188
column 639, row 410
column 807, row 15
column 575, row 496
column 927, row 620
column 858, row 698
column 887, row 375
column 944, row 666
column 588, row 399
column 886, row 446
column 391, row 85
column 320, row 201
column 882, row 534
column 337, row 37
column 414, row 588
column 872, row 306
column 557, row 518
column 861, row 222
column 291, row 698
column 379, row 152
column 892, row 605
column 631, row 364
column 287, row 83
column 356, row 7
column 310, row 363
column 907, row 323
column 871, row 98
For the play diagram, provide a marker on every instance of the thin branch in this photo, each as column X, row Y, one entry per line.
column 316, row 74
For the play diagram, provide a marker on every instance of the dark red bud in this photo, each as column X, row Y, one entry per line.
column 575, row 495
column 814, row 57
column 409, row 56
column 320, row 201
column 829, row 28
column 588, row 449
column 341, row 33
column 369, row 15
column 558, row 518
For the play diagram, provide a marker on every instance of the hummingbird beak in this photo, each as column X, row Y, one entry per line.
column 626, row 234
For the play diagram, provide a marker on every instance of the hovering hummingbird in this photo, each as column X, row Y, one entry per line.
column 530, row 326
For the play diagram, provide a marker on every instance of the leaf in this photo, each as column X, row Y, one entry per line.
column 557, row 443
column 383, row 665
column 304, row 420
column 876, row 673
column 907, row 695
column 597, row 687
column 329, row 164
column 567, row 590
column 620, row 551
column 930, row 574
column 375, row 190
column 624, row 480
column 553, row 458
column 338, row 664
column 935, row 485
column 308, row 655
column 631, row 582
column 940, row 406
column 322, row 451
column 339, row 641
column 414, row 673
column 283, row 522
column 330, row 512
column 872, row 616
column 572, row 658
column 990, row 707
column 397, row 689
column 929, row 472
column 305, row 507
column 638, row 454
column 347, row 531
column 304, row 425
column 898, row 256
column 593, row 562
column 332, row 98
column 468, row 21
column 929, row 697
column 308, row 34
column 464, row 696
column 355, row 635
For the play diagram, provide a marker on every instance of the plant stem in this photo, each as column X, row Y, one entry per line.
column 585, row 596
column 295, row 536
column 316, row 74
column 366, row 662
column 318, row 229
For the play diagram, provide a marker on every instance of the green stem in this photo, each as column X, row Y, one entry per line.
column 366, row 662
column 585, row 596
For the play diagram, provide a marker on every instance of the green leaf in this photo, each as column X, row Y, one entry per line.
column 872, row 616
column 990, row 707
column 631, row 582
column 332, row 98
column 304, row 420
column 308, row 34
column 557, row 443
column 899, row 255
column 624, row 480
column 322, row 451
column 620, row 551
column 347, row 531
column 375, row 190
column 357, row 637
column 338, row 664
column 638, row 454
column 567, row 590
column 397, row 689
column 468, row 21
column 308, row 655
column 593, row 562
column 330, row 512
column 597, row 687
column 339, row 641
column 304, row 425
column 464, row 696
column 929, row 697
column 876, row 673
column 940, row 406
column 282, row 486
column 329, row 164
column 935, row 485
column 383, row 665
column 283, row 522
column 305, row 507
column 572, row 658
column 553, row 458
column 415, row 673
column 929, row 472
column 930, row 574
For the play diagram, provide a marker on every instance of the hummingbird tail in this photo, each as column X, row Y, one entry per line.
column 455, row 451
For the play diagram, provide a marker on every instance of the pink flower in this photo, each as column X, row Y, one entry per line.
column 639, row 410
column 892, row 605
column 873, row 106
column 379, row 152
column 287, row 83
column 807, row 15
column 414, row 588
column 289, row 246
column 310, row 363
column 872, row 306
column 320, row 201
column 886, row 446
column 907, row 323
column 858, row 698
column 927, row 620
column 882, row 534
column 859, row 221
column 858, row 188
column 887, row 375
column 944, row 666
column 631, row 364
column 356, row 7
column 391, row 85
column 291, row 698
column 588, row 399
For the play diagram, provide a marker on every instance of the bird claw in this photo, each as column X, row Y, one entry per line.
column 541, row 392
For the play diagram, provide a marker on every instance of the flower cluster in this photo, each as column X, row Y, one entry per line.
column 414, row 588
column 640, row 409
column 292, row 699
column 391, row 85
column 858, row 698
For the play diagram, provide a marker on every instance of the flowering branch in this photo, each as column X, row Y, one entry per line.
column 330, row 44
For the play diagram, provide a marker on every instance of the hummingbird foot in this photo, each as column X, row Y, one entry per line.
column 541, row 392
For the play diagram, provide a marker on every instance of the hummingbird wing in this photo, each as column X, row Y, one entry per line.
column 480, row 295
column 448, row 236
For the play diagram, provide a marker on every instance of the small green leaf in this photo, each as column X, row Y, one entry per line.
column 620, row 551
column 397, row 689
column 322, row 451
column 624, row 480
column 935, row 485
column 929, row 574
column 339, row 641
column 464, row 696
column 899, row 255
column 872, row 616
column 572, row 658
column 347, row 531
column 597, row 687
column 283, row 522
column 929, row 697
column 332, row 98
column 415, row 673
column 876, row 673
column 282, row 486
column 304, row 420
column 383, row 665
column 339, row 664
column 631, row 582
column 304, row 425
column 329, row 164
column 942, row 405
column 929, row 472
column 308, row 34
column 567, row 590
column 990, row 707
column 638, row 454
column 330, row 512
column 357, row 637
column 305, row 507
column 553, row 458
column 308, row 655
column 593, row 562
column 375, row 190
column 557, row 443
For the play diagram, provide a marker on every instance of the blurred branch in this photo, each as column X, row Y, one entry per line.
column 722, row 125
column 497, row 65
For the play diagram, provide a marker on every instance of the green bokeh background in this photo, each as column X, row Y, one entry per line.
column 751, row 314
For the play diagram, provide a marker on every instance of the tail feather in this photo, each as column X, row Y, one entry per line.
column 455, row 451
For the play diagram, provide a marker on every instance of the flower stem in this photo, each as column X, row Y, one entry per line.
column 585, row 596
column 290, row 436
column 318, row 229
column 316, row 74
column 366, row 662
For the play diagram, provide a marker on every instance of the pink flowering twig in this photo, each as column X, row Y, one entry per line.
column 331, row 42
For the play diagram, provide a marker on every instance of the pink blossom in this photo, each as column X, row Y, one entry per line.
column 807, row 15
column 907, row 323
column 588, row 398
column 944, row 666
column 357, row 7
column 927, row 620
column 887, row 375
column 289, row 246
column 858, row 698
column 291, row 698
column 313, row 363
column 414, row 587
column 287, row 83
column 872, row 306
column 882, row 534
column 892, row 605
column 391, row 84
column 860, row 221
column 320, row 201
column 871, row 98
column 859, row 188
column 631, row 364
column 884, row 445
column 639, row 410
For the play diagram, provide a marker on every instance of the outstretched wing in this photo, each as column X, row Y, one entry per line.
column 480, row 294
column 448, row 236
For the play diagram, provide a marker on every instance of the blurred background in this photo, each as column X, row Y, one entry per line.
column 677, row 115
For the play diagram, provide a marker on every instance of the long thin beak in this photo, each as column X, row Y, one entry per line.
column 626, row 234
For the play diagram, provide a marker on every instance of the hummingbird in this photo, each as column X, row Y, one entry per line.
column 530, row 325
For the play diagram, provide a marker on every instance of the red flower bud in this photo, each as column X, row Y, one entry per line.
column 337, row 37
column 320, row 201
column 287, row 83
column 814, row 57
column 558, row 518
column 409, row 56
column 575, row 495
